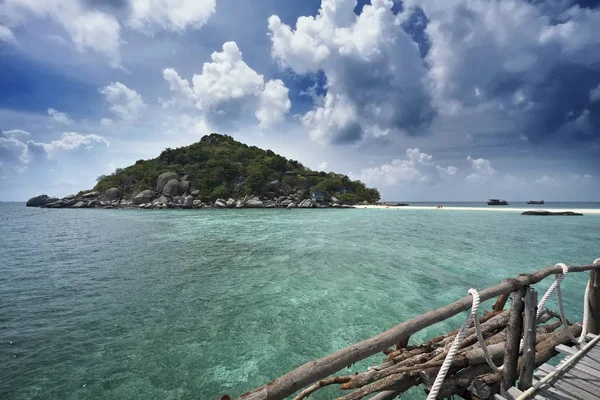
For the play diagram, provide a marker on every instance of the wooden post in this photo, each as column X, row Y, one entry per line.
column 594, row 320
column 513, row 340
column 529, row 338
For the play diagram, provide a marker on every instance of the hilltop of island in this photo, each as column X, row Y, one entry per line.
column 217, row 172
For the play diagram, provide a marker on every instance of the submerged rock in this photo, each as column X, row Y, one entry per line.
column 560, row 213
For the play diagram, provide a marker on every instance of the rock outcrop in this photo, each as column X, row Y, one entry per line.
column 111, row 194
column 144, row 197
column 220, row 203
column 37, row 201
column 163, row 179
column 171, row 188
column 254, row 202
column 188, row 202
column 90, row 195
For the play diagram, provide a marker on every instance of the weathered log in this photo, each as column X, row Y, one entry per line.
column 496, row 322
column 545, row 317
column 544, row 351
column 458, row 384
column 312, row 371
column 513, row 340
column 399, row 382
column 398, row 356
column 529, row 335
column 471, row 355
column 403, row 343
column 549, row 328
column 322, row 383
column 501, row 302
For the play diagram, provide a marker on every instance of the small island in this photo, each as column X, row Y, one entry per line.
column 217, row 172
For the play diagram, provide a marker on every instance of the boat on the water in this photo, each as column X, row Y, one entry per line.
column 535, row 202
column 497, row 202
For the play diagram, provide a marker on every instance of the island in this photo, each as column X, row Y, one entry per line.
column 217, row 172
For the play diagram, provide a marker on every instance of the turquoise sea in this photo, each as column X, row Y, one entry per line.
column 172, row 304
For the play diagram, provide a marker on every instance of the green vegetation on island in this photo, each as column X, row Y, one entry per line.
column 220, row 167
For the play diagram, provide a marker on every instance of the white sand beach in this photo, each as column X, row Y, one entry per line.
column 493, row 208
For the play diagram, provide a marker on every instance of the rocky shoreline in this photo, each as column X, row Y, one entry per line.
column 172, row 192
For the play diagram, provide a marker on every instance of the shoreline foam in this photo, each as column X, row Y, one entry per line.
column 493, row 209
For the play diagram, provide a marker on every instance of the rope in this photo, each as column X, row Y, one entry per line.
column 473, row 317
column 480, row 339
column 439, row 379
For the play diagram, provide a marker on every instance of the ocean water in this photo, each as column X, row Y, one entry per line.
column 172, row 304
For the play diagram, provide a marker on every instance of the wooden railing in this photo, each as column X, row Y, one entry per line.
column 315, row 370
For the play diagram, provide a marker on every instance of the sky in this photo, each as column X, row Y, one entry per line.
column 449, row 100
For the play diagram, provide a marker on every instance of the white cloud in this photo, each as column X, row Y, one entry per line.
column 71, row 141
column 89, row 29
column 228, row 88
column 18, row 134
column 174, row 15
column 483, row 172
column 544, row 180
column 595, row 94
column 274, row 103
column 587, row 176
column 60, row 117
column 322, row 166
column 106, row 122
column 184, row 95
column 126, row 103
column 13, row 151
column 184, row 125
column 416, row 168
column 373, row 68
column 6, row 35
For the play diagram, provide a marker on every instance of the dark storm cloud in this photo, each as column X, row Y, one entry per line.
column 106, row 5
column 563, row 104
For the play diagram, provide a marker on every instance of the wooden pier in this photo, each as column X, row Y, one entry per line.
column 484, row 359
column 579, row 379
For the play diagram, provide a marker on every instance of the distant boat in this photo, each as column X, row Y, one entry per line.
column 497, row 202
column 535, row 202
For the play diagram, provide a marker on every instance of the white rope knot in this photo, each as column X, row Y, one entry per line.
column 565, row 268
column 472, row 317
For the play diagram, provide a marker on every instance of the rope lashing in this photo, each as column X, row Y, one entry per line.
column 439, row 379
column 473, row 317
column 480, row 339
